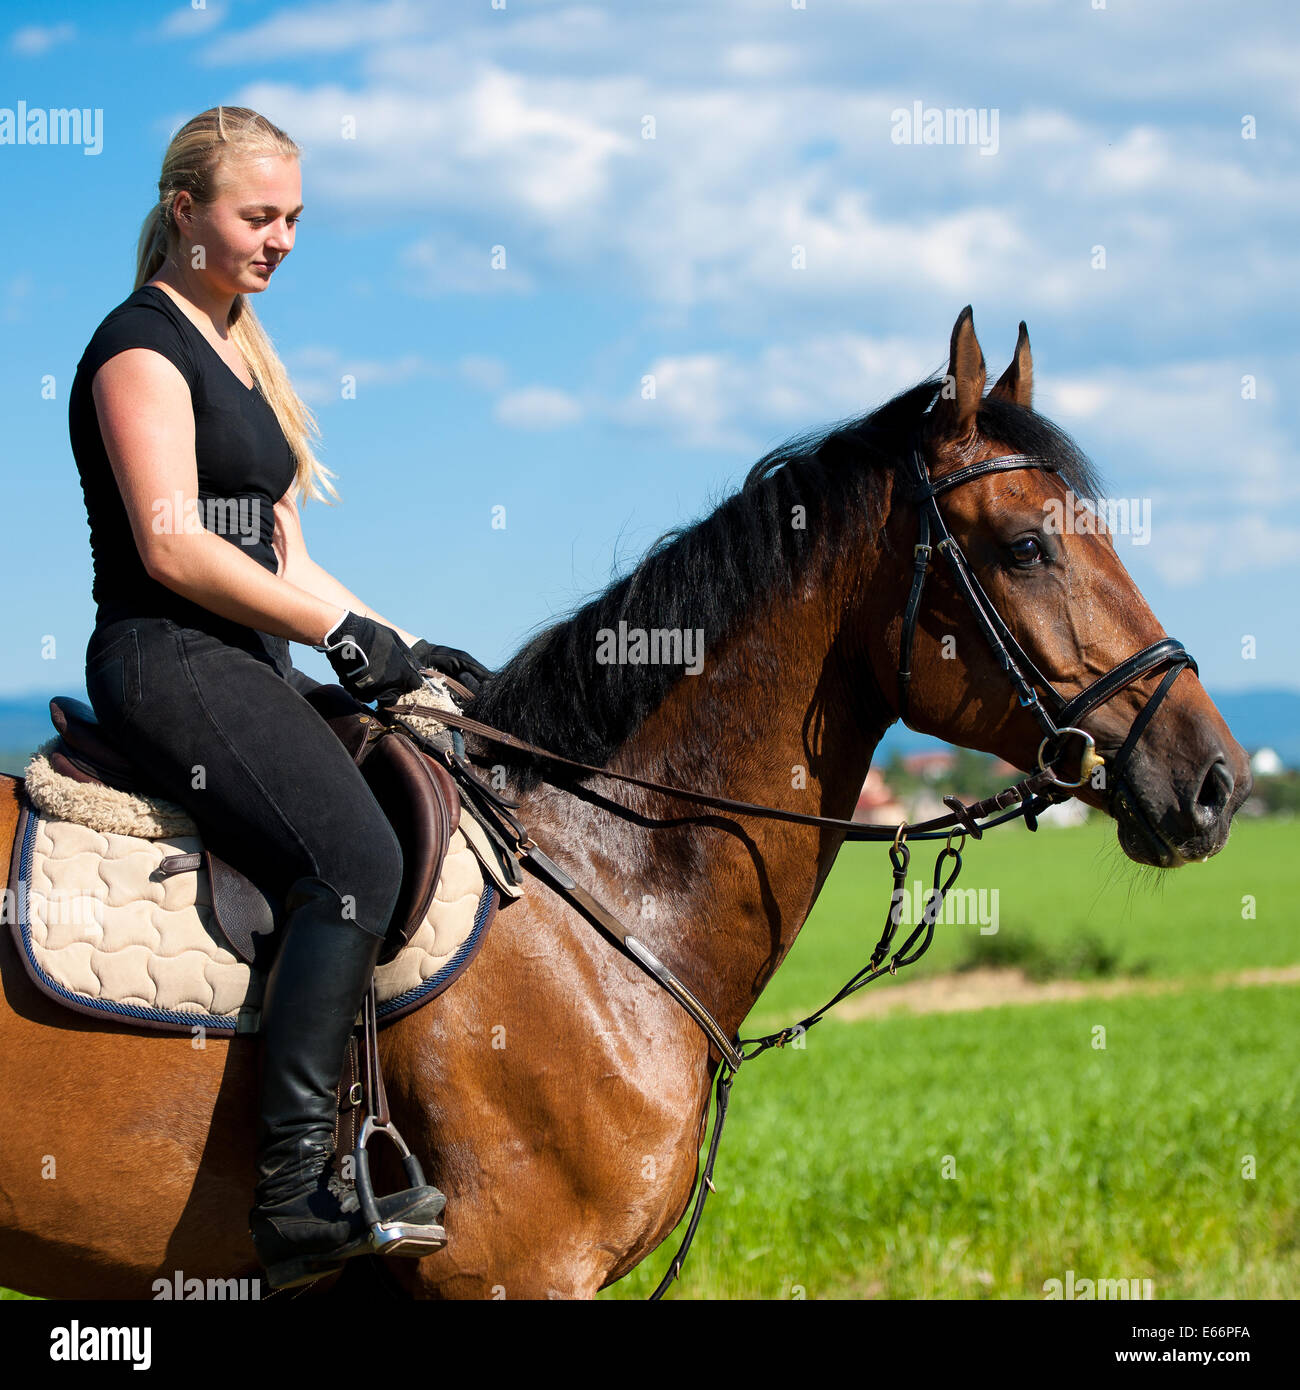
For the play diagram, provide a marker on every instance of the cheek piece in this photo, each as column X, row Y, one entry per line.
column 1056, row 716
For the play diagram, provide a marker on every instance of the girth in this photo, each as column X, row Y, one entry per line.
column 1056, row 715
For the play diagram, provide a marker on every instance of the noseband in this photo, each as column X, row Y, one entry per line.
column 1056, row 716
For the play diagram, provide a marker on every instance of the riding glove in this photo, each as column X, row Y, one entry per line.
column 371, row 660
column 453, row 662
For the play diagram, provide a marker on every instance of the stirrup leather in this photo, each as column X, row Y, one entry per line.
column 387, row 1237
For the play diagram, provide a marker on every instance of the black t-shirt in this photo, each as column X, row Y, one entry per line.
column 245, row 463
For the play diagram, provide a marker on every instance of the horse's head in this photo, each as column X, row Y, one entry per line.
column 1050, row 570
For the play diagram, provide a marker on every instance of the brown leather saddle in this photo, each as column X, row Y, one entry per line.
column 417, row 795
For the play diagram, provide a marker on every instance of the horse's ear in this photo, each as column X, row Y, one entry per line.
column 963, row 386
column 1017, row 382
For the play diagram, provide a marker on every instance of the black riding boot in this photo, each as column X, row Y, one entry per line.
column 305, row 1221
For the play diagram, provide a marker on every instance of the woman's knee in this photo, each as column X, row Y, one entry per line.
column 366, row 870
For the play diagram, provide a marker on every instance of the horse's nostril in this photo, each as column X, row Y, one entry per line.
column 1216, row 789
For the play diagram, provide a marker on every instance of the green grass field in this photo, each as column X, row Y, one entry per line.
column 1126, row 1162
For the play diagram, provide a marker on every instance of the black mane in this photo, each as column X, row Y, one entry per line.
column 711, row 574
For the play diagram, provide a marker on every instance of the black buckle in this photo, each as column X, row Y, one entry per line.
column 969, row 824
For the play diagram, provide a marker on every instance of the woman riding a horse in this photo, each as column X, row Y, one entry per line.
column 193, row 449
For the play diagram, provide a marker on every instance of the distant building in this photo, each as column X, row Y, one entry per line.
column 931, row 766
column 924, row 805
column 876, row 802
column 1064, row 813
column 1264, row 762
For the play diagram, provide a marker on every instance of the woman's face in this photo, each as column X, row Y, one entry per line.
column 248, row 229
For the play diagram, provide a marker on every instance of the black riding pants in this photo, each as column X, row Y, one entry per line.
column 215, row 718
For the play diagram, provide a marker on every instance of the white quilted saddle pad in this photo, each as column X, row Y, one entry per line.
column 99, row 931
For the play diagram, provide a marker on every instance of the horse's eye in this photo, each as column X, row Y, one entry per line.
column 1026, row 551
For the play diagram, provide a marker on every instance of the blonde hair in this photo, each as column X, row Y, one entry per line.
column 192, row 165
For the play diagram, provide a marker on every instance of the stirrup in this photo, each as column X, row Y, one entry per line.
column 387, row 1237
column 393, row 1237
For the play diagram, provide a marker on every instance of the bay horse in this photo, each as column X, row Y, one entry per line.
column 557, row 1095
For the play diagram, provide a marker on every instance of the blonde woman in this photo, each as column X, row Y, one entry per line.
column 192, row 448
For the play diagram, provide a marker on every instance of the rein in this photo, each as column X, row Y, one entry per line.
column 1055, row 714
column 1027, row 798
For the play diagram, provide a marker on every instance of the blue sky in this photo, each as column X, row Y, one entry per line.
column 524, row 128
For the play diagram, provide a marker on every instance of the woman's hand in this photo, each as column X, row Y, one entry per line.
column 371, row 660
column 453, row 662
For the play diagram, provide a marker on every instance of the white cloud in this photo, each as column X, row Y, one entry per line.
column 189, row 23
column 1185, row 552
column 337, row 27
column 1086, row 161
column 524, row 129
column 1183, row 427
column 722, row 401
column 318, row 373
column 487, row 373
column 1218, row 470
column 694, row 401
column 489, row 148
column 537, row 408
column 443, row 265
column 760, row 59
column 35, row 40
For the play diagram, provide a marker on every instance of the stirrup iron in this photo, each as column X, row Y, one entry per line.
column 392, row 1237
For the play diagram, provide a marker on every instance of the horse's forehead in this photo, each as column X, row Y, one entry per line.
column 985, row 497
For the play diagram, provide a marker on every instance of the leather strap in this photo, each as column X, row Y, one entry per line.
column 550, row 872
column 1119, row 763
column 921, row 562
column 923, row 490
column 1129, row 670
column 1036, row 785
column 376, row 1095
column 1003, row 464
column 347, row 1115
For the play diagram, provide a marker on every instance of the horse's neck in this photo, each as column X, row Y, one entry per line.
column 780, row 716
